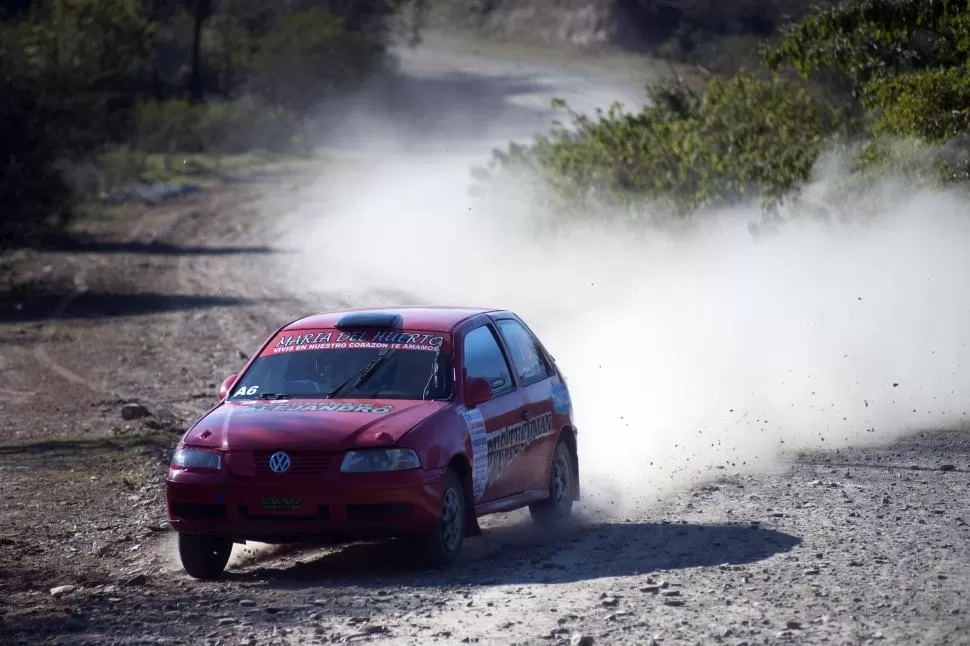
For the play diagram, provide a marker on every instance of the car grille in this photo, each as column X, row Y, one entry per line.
column 303, row 464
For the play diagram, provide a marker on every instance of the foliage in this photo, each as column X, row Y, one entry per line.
column 870, row 39
column 62, row 100
column 227, row 53
column 933, row 105
column 88, row 83
column 740, row 137
column 308, row 56
column 721, row 35
column 104, row 42
column 906, row 62
column 750, row 135
column 179, row 126
column 34, row 194
column 915, row 160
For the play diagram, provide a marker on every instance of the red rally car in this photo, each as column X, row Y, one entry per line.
column 366, row 423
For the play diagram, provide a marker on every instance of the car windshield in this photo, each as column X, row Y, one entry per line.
column 384, row 364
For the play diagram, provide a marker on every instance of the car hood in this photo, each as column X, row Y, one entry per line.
column 322, row 424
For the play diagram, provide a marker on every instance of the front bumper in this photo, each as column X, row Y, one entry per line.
column 280, row 510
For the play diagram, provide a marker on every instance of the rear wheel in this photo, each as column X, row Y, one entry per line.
column 204, row 557
column 558, row 507
column 443, row 545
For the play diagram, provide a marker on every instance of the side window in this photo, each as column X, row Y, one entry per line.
column 484, row 359
column 529, row 363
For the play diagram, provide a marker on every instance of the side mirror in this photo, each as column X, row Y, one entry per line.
column 227, row 386
column 477, row 391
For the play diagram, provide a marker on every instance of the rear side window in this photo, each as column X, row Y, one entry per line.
column 484, row 359
column 530, row 365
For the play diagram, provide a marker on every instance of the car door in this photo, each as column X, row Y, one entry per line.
column 483, row 357
column 535, row 377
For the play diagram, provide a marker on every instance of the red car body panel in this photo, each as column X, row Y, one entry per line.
column 305, row 424
column 505, row 467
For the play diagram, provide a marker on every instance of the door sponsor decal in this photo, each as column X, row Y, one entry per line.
column 476, row 429
column 505, row 444
column 560, row 399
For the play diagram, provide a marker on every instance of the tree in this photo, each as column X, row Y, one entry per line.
column 309, row 55
column 201, row 11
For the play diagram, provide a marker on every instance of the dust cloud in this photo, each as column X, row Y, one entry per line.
column 692, row 353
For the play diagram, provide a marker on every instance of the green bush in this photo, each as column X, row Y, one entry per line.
column 907, row 115
column 914, row 160
column 933, row 105
column 906, row 62
column 870, row 39
column 741, row 137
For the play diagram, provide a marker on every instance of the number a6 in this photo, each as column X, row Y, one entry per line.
column 252, row 390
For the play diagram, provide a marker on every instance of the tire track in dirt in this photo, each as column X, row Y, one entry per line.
column 817, row 553
column 782, row 557
column 194, row 274
column 103, row 354
column 249, row 277
column 141, row 228
column 40, row 349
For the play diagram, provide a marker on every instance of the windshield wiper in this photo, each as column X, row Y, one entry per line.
column 364, row 374
column 273, row 396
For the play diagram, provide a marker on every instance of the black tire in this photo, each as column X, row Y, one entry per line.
column 443, row 545
column 558, row 507
column 204, row 557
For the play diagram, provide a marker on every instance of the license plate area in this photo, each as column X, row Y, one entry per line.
column 282, row 510
column 280, row 504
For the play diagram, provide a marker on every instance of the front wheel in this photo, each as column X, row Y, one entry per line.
column 204, row 557
column 443, row 545
column 558, row 507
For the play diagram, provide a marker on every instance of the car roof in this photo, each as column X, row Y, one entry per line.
column 428, row 318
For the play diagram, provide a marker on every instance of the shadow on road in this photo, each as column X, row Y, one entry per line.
column 522, row 554
column 24, row 306
column 71, row 448
column 91, row 245
column 84, row 455
column 160, row 248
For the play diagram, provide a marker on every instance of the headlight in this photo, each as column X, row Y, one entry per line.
column 197, row 459
column 370, row 460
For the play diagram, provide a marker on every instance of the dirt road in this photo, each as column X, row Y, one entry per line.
column 109, row 348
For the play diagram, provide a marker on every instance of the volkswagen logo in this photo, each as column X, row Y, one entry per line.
column 279, row 462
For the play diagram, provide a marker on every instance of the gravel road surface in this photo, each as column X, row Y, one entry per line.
column 109, row 348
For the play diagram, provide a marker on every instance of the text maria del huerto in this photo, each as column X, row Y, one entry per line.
column 334, row 340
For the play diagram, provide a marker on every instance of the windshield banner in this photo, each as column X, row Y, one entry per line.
column 303, row 340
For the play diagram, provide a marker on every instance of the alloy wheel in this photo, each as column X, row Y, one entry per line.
column 451, row 519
